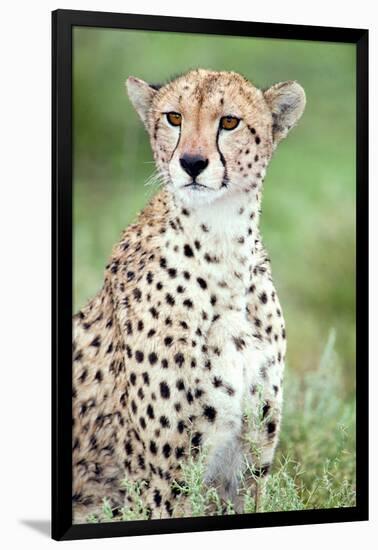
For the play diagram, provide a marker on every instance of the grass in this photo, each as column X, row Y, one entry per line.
column 314, row 468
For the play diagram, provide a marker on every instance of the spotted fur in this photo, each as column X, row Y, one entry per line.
column 187, row 333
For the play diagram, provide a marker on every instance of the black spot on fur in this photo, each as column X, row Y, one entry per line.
column 168, row 341
column 150, row 412
column 266, row 409
column 271, row 428
column 157, row 497
column 188, row 251
column 164, row 390
column 261, row 472
column 180, row 384
column 170, row 300
column 152, row 358
column 99, row 376
column 196, row 439
column 141, row 394
column 167, row 450
column 263, row 298
column 96, row 342
column 202, row 283
column 154, row 313
column 139, row 356
column 239, row 343
column 210, row 413
column 179, row 359
column 153, row 447
column 168, row 507
column 128, row 448
column 179, row 452
column 137, row 294
column 164, row 422
column 83, row 376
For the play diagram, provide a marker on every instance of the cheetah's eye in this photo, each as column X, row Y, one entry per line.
column 229, row 122
column 174, row 119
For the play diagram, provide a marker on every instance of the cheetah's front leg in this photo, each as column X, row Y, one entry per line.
column 263, row 405
column 232, row 349
column 261, row 426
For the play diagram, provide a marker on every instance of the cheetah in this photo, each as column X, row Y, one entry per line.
column 187, row 333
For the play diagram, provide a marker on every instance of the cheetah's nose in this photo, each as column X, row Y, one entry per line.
column 193, row 164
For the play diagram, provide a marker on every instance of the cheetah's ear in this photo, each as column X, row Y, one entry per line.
column 141, row 95
column 287, row 101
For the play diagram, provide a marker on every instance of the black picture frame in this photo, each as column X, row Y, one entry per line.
column 62, row 23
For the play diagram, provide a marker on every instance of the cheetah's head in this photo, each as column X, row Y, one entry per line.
column 213, row 133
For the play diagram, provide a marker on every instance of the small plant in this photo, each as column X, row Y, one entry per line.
column 92, row 518
column 204, row 500
column 281, row 490
column 138, row 510
column 318, row 434
column 106, row 515
column 107, row 510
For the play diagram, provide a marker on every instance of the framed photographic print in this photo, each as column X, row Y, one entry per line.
column 209, row 276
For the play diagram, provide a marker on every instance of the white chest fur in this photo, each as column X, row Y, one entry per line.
column 223, row 240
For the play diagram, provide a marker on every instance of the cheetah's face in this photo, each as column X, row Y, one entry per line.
column 213, row 133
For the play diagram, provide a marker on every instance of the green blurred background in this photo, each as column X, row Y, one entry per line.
column 308, row 220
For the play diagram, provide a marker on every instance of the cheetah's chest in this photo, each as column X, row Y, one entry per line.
column 220, row 279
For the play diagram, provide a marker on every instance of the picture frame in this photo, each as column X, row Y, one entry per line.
column 63, row 22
